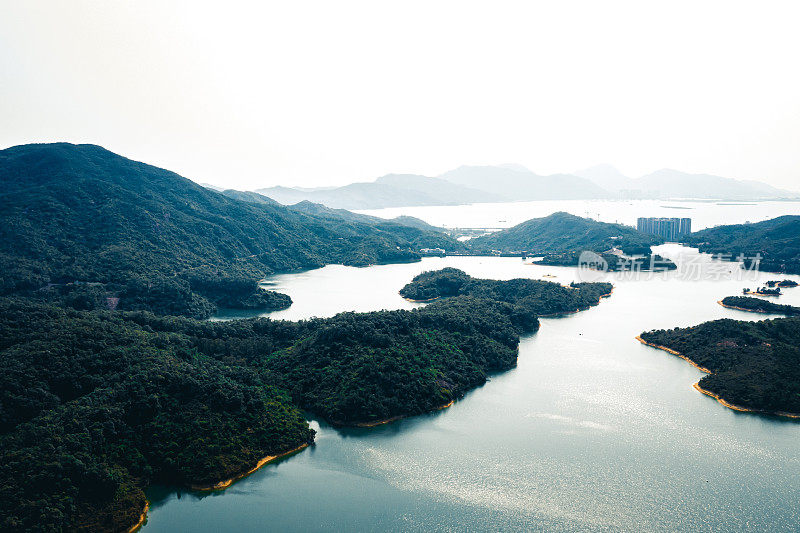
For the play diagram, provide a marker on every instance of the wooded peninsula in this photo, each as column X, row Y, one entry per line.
column 97, row 405
column 753, row 365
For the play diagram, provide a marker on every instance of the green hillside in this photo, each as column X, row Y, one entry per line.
column 562, row 232
column 776, row 240
column 755, row 365
column 80, row 224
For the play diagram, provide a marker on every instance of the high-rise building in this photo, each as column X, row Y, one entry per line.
column 669, row 228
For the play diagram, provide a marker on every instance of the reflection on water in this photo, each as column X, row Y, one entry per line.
column 592, row 430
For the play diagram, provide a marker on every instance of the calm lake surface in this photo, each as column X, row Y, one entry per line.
column 592, row 431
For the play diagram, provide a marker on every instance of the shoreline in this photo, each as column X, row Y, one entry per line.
column 746, row 310
column 135, row 527
column 674, row 352
column 224, row 484
column 710, row 394
column 754, row 310
column 393, row 419
column 729, row 405
column 421, row 301
column 755, row 293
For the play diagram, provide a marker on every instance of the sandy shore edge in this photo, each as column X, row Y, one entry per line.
column 421, row 301
column 261, row 462
column 392, row 419
column 142, row 518
column 744, row 309
column 711, row 394
column 674, row 352
column 754, row 310
column 729, row 405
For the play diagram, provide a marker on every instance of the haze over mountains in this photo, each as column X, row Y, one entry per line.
column 670, row 183
column 505, row 183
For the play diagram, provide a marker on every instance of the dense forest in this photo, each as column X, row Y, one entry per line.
column 755, row 365
column 776, row 240
column 109, row 383
column 82, row 226
column 759, row 305
column 535, row 296
column 562, row 232
column 97, row 405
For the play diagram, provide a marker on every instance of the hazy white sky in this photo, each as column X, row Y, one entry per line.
column 304, row 93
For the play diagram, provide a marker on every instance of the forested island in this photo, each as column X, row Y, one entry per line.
column 754, row 366
column 539, row 297
column 776, row 241
column 758, row 305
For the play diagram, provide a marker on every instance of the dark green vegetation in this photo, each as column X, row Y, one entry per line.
column 786, row 283
column 94, row 406
column 755, row 365
column 613, row 262
column 97, row 405
column 338, row 215
column 79, row 225
column 533, row 296
column 564, row 233
column 776, row 240
column 365, row 368
column 759, row 305
column 100, row 398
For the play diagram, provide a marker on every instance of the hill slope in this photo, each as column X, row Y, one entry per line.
column 562, row 232
column 777, row 240
column 753, row 365
column 88, row 224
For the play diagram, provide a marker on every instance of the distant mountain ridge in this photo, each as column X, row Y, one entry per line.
column 393, row 190
column 670, row 183
column 515, row 183
column 677, row 184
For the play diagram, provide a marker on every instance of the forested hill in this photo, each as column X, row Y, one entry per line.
column 562, row 232
column 89, row 225
column 777, row 240
column 755, row 365
column 759, row 305
column 97, row 405
column 534, row 296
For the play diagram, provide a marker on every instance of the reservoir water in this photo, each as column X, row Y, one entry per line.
column 592, row 431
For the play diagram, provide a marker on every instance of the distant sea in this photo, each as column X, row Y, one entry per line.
column 704, row 213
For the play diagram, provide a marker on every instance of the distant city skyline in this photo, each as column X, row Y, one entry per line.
column 249, row 96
